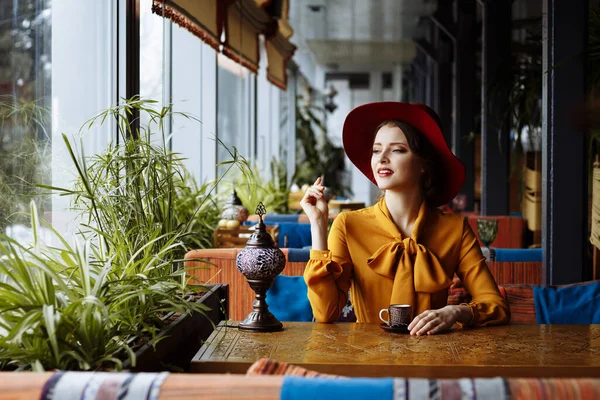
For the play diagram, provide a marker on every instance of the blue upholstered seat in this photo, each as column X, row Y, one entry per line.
column 570, row 304
column 297, row 235
column 291, row 234
column 276, row 218
column 288, row 300
column 298, row 255
column 517, row 255
column 288, row 297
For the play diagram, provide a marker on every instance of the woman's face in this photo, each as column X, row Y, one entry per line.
column 394, row 165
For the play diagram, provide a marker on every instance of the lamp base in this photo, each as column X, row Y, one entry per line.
column 260, row 319
column 261, row 322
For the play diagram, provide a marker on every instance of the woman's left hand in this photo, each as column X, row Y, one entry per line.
column 435, row 321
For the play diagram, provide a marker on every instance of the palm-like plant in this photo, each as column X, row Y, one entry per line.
column 252, row 187
column 77, row 308
column 139, row 192
column 24, row 154
column 86, row 307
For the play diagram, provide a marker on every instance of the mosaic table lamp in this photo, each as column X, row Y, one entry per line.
column 260, row 262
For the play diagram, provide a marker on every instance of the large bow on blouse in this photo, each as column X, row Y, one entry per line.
column 415, row 270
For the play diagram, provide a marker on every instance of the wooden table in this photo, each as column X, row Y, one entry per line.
column 367, row 350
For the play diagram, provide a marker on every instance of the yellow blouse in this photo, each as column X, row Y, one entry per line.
column 368, row 256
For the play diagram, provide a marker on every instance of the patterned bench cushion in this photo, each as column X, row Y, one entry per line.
column 419, row 388
column 522, row 304
column 519, row 298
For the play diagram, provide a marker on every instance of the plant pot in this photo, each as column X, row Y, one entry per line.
column 182, row 338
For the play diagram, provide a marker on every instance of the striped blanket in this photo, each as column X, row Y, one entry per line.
column 300, row 383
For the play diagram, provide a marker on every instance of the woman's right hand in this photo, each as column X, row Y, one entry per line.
column 314, row 204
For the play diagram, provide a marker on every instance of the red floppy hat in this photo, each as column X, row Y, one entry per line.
column 359, row 133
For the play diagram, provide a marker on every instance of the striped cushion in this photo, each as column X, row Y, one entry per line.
column 519, row 297
column 555, row 388
column 102, row 385
column 267, row 366
column 521, row 303
column 419, row 388
column 516, row 272
column 303, row 388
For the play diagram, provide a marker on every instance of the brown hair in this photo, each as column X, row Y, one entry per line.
column 421, row 147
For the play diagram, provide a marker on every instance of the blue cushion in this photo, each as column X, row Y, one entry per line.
column 274, row 218
column 299, row 255
column 518, row 255
column 288, row 299
column 302, row 388
column 573, row 304
column 298, row 235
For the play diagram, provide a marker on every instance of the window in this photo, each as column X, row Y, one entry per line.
column 193, row 91
column 83, row 71
column 46, row 62
column 155, row 38
column 267, row 109
column 235, row 109
column 25, row 83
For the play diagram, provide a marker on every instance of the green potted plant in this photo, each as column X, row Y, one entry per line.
column 76, row 308
column 105, row 304
column 24, row 156
column 252, row 187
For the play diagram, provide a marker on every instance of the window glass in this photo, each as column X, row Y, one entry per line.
column 50, row 84
column 155, row 63
column 25, row 84
column 84, row 75
column 234, row 107
column 48, row 88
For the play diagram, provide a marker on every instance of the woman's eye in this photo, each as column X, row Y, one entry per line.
column 399, row 150
column 376, row 151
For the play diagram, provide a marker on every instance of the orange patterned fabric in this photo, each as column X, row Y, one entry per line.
column 512, row 272
column 573, row 389
column 519, row 298
column 267, row 366
column 522, row 304
column 518, row 388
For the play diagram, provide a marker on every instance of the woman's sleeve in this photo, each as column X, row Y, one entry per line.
column 487, row 305
column 328, row 274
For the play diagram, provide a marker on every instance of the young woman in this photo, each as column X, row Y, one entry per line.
column 402, row 250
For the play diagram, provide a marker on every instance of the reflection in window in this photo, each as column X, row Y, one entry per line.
column 234, row 102
column 153, row 29
column 25, row 84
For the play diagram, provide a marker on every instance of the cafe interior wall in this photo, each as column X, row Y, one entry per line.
column 309, row 25
column 348, row 95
